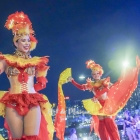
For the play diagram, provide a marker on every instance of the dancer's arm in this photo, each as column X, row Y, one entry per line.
column 79, row 86
column 41, row 72
column 2, row 66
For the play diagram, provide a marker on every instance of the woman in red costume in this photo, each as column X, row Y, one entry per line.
column 108, row 98
column 27, row 112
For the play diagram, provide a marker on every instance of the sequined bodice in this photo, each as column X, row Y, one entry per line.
column 17, row 87
column 21, row 69
column 13, row 71
column 21, row 79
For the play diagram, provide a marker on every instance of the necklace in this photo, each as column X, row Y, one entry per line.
column 22, row 54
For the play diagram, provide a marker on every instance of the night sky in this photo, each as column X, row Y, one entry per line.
column 74, row 31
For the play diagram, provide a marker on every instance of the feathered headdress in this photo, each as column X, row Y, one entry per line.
column 20, row 25
column 90, row 64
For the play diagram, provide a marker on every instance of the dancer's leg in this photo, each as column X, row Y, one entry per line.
column 32, row 122
column 102, row 129
column 112, row 128
column 15, row 123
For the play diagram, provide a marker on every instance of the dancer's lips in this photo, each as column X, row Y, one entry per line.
column 26, row 47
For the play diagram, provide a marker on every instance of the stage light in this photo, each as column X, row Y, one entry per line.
column 85, row 138
column 82, row 77
column 125, row 64
column 67, row 98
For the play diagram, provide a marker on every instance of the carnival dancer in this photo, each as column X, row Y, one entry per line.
column 108, row 98
column 27, row 112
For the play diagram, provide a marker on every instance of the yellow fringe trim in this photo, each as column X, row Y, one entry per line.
column 2, row 106
column 47, row 113
column 41, row 73
column 21, row 61
column 95, row 108
column 91, row 106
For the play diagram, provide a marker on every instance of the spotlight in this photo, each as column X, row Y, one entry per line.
column 82, row 77
column 125, row 64
column 85, row 138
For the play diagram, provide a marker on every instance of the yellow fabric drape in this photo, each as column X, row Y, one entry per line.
column 61, row 109
column 1, row 138
column 92, row 107
column 2, row 109
column 14, row 60
column 2, row 106
column 46, row 110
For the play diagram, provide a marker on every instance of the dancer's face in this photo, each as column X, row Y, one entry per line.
column 23, row 44
column 96, row 75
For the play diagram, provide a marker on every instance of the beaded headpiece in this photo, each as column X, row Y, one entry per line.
column 20, row 25
column 90, row 64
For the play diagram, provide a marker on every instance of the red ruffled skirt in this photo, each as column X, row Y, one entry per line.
column 22, row 103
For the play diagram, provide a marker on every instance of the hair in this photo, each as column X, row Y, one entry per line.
column 90, row 64
column 20, row 25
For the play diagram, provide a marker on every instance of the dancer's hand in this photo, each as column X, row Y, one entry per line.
column 88, row 80
column 94, row 99
column 69, row 79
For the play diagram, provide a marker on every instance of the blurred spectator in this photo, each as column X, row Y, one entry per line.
column 137, row 121
column 73, row 135
column 127, row 126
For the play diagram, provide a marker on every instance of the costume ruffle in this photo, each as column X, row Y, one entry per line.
column 22, row 102
column 2, row 106
column 91, row 106
column 20, row 62
column 46, row 126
